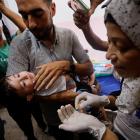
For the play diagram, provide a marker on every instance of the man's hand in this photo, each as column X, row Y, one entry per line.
column 75, row 121
column 87, row 99
column 48, row 73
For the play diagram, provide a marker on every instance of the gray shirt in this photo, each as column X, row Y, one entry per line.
column 26, row 53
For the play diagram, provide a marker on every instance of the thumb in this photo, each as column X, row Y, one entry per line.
column 65, row 127
column 62, row 126
column 91, row 11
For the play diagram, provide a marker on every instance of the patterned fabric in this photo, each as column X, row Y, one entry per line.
column 127, row 122
column 129, row 100
column 126, row 13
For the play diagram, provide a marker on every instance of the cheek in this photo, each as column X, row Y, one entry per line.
column 29, row 86
column 131, row 65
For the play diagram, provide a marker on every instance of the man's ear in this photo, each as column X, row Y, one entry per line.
column 53, row 9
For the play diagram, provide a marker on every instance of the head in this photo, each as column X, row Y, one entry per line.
column 123, row 31
column 37, row 15
column 21, row 83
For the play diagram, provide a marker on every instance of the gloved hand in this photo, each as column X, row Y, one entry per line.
column 75, row 121
column 87, row 99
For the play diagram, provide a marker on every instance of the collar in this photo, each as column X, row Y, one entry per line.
column 56, row 36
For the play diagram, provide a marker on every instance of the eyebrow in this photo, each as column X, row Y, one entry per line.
column 31, row 11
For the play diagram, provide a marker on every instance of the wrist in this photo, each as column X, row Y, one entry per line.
column 72, row 68
column 86, row 27
column 105, row 100
column 65, row 66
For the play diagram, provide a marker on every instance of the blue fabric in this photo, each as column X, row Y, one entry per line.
column 108, row 84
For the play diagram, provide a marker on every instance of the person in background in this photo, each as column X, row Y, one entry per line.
column 18, row 108
column 124, row 53
column 14, row 17
column 82, row 21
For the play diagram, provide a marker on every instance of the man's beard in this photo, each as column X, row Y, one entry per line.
column 42, row 34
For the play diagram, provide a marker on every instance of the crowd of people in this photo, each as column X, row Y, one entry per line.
column 46, row 64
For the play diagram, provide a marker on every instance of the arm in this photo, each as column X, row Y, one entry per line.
column 48, row 73
column 109, row 135
column 14, row 17
column 81, row 20
column 84, row 69
column 64, row 96
column 93, row 39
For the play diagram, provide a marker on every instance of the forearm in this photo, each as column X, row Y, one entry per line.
column 109, row 135
column 80, row 69
column 84, row 69
column 64, row 96
column 93, row 39
column 14, row 17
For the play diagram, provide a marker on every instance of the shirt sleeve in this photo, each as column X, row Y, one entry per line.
column 18, row 56
column 78, row 51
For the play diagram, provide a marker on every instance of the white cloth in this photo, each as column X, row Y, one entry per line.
column 58, row 86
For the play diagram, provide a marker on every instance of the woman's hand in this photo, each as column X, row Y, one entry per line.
column 87, row 99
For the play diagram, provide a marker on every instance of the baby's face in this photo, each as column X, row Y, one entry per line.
column 22, row 83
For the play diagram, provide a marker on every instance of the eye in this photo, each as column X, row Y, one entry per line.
column 37, row 13
column 22, row 83
column 24, row 16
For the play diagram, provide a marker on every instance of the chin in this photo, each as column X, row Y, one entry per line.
column 129, row 75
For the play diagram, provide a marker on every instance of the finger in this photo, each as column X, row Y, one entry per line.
column 40, row 79
column 61, row 115
column 72, row 108
column 50, row 83
column 39, row 73
column 37, row 69
column 91, row 11
column 69, row 109
column 79, row 98
column 64, row 111
column 46, row 81
column 66, row 127
column 69, row 4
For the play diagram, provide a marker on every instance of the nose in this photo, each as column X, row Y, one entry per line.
column 23, row 77
column 111, row 53
column 31, row 22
